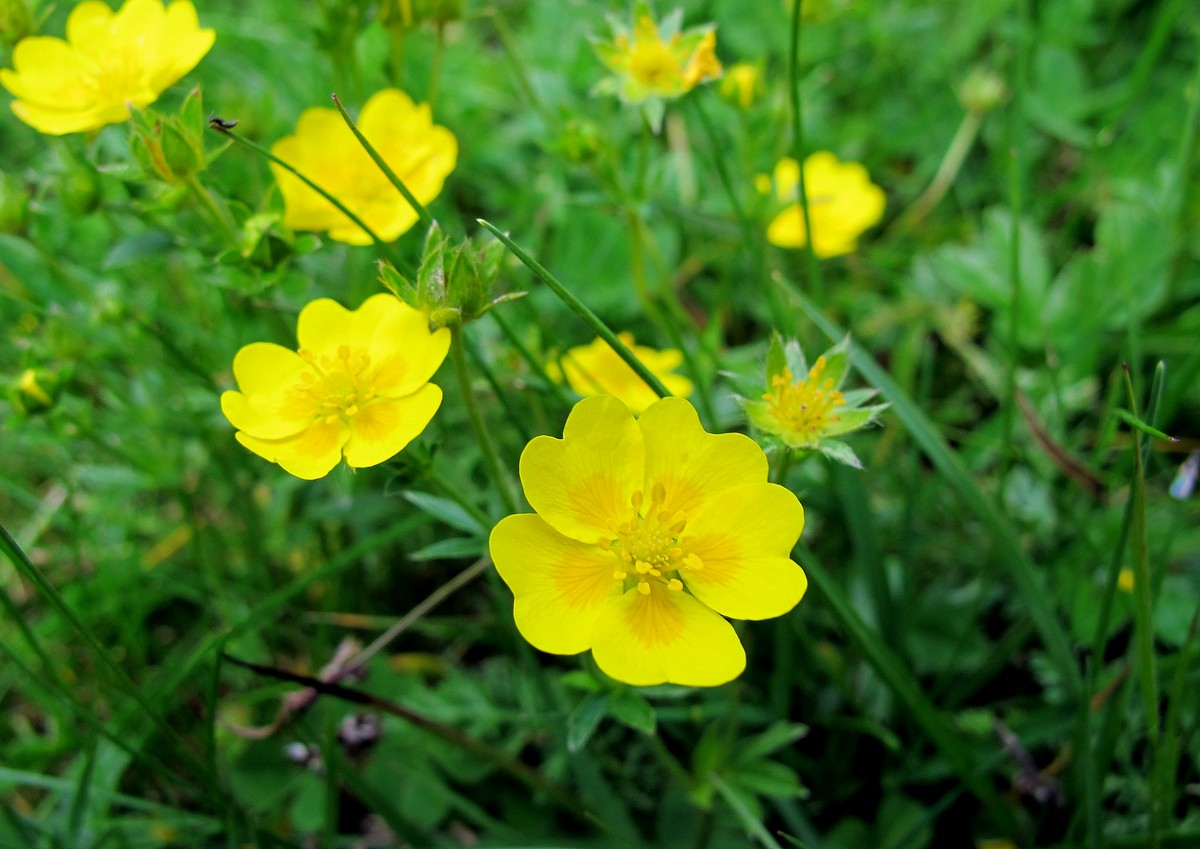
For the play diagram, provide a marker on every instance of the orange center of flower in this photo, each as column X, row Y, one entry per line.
column 804, row 407
column 648, row 548
column 336, row 388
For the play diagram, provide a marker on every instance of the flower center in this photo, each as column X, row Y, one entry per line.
column 116, row 77
column 336, row 388
column 649, row 548
column 804, row 407
column 651, row 61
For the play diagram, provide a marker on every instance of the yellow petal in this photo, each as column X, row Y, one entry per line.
column 405, row 353
column 325, row 325
column 744, row 537
column 90, row 23
column 266, row 423
column 48, row 72
column 582, row 484
column 185, row 45
column 691, row 464
column 560, row 584
column 267, row 406
column 382, row 428
column 310, row 455
column 666, row 637
column 57, row 122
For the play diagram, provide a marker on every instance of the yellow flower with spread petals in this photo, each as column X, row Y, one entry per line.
column 597, row 369
column 110, row 62
column 742, row 84
column 648, row 532
column 357, row 387
column 421, row 153
column 842, row 203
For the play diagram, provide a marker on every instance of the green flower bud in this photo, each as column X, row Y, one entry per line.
column 982, row 90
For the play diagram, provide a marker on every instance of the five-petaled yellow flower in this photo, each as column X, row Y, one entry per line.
column 648, row 532
column 421, row 153
column 110, row 62
column 842, row 203
column 357, row 387
column 597, row 369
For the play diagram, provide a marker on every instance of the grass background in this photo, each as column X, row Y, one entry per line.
column 964, row 667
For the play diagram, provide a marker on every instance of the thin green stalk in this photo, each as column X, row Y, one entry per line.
column 947, row 171
column 524, row 353
column 1184, row 168
column 1016, row 194
column 217, row 213
column 454, row 492
column 435, row 67
column 1143, row 624
column 423, row 215
column 798, row 151
column 581, row 309
column 483, row 436
column 751, row 238
column 518, row 421
column 517, row 62
column 750, row 822
column 341, row 207
column 956, row 475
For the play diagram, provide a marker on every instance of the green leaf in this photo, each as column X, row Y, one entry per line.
column 630, row 708
column 458, row 548
column 1133, row 421
column 445, row 510
column 776, row 358
column 776, row 737
column 584, row 719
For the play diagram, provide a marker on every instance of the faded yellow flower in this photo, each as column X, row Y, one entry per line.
column 325, row 150
column 842, row 203
column 357, row 387
column 648, row 532
column 597, row 369
column 742, row 84
column 109, row 63
column 1126, row 581
column 654, row 61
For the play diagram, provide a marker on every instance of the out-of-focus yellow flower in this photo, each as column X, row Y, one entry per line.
column 842, row 203
column 1125, row 581
column 995, row 843
column 742, row 84
column 357, row 387
column 597, row 369
column 323, row 149
column 647, row 532
column 654, row 61
column 109, row 62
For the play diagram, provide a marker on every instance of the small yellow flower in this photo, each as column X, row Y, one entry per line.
column 647, row 532
column 596, row 369
column 842, row 203
column 323, row 149
column 110, row 62
column 803, row 408
column 742, row 84
column 654, row 61
column 1125, row 581
column 357, row 387
column 995, row 843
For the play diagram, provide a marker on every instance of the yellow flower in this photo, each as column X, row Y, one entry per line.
column 109, row 63
column 806, row 412
column 1125, row 581
column 648, row 531
column 842, row 203
column 742, row 84
column 596, row 369
column 357, row 387
column 655, row 61
column 323, row 149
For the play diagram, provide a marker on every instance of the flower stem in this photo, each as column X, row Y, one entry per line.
column 947, row 171
column 813, row 266
column 580, row 308
column 458, row 353
column 341, row 207
column 219, row 215
column 422, row 213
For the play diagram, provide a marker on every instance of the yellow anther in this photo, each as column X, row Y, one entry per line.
column 620, row 576
column 659, row 492
column 693, row 562
column 636, row 500
column 675, row 584
column 644, row 588
column 605, row 543
column 307, row 355
column 642, row 567
column 656, row 573
column 343, row 352
column 352, row 409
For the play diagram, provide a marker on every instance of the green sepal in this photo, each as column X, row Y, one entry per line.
column 853, row 419
column 777, row 360
column 837, row 450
